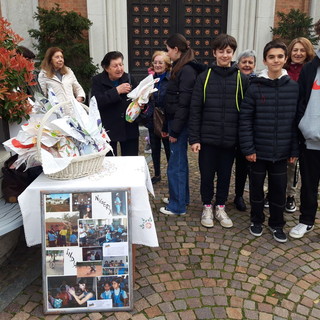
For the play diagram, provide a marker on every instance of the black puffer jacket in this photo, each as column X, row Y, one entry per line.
column 267, row 119
column 113, row 106
column 178, row 96
column 215, row 121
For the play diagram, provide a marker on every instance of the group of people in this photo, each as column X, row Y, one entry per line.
column 266, row 121
column 62, row 237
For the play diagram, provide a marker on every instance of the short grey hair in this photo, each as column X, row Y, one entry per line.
column 247, row 53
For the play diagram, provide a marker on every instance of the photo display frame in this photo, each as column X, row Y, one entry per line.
column 86, row 251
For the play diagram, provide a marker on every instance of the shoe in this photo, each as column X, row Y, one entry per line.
column 256, row 229
column 164, row 210
column 147, row 148
column 207, row 216
column 155, row 179
column 222, row 217
column 266, row 201
column 240, row 205
column 165, row 200
column 278, row 234
column 291, row 205
column 300, row 230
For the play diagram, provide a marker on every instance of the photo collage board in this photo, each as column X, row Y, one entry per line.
column 86, row 251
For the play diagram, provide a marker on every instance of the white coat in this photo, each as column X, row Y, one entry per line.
column 64, row 90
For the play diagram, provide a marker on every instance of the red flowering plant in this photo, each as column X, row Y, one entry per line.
column 16, row 74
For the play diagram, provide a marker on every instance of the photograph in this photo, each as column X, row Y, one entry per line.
column 92, row 254
column 55, row 262
column 114, row 288
column 57, row 202
column 119, row 201
column 89, row 269
column 61, row 229
column 70, row 292
column 81, row 202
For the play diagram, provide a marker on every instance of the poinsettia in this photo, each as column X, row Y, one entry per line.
column 16, row 74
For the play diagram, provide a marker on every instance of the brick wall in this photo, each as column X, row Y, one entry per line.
column 79, row 6
column 287, row 5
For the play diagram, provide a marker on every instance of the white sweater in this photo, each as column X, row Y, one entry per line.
column 66, row 89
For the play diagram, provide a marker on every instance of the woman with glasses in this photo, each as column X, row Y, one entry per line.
column 110, row 88
column 160, row 68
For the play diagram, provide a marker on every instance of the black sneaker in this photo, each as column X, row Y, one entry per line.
column 266, row 201
column 240, row 204
column 256, row 229
column 155, row 179
column 278, row 234
column 291, row 205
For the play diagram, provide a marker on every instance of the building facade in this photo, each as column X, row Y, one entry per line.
column 137, row 28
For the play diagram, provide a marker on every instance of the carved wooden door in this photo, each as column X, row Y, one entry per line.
column 151, row 22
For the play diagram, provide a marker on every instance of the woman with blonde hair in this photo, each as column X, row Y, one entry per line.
column 160, row 68
column 55, row 74
column 300, row 51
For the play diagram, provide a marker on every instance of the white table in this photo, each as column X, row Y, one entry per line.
column 118, row 172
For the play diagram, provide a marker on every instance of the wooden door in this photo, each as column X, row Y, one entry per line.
column 151, row 22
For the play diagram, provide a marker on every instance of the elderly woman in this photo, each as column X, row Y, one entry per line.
column 55, row 74
column 110, row 88
column 246, row 64
column 160, row 68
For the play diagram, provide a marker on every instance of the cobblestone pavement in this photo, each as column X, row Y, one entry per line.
column 216, row 273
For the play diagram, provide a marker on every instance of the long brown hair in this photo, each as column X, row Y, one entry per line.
column 307, row 46
column 46, row 63
column 187, row 54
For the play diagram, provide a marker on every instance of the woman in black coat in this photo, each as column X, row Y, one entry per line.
column 110, row 89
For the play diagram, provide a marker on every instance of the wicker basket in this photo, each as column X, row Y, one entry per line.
column 79, row 166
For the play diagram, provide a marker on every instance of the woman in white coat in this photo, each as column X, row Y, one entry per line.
column 55, row 74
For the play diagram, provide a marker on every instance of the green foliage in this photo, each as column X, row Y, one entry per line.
column 66, row 30
column 293, row 25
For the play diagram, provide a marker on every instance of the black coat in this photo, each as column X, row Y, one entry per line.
column 215, row 121
column 113, row 106
column 267, row 119
column 178, row 96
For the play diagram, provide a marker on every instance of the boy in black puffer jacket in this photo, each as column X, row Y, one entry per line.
column 268, row 137
column 213, row 126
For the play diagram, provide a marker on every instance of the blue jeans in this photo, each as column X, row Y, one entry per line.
column 178, row 173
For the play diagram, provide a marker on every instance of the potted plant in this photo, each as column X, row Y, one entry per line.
column 16, row 74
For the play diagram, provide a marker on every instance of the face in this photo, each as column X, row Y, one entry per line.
column 106, row 287
column 298, row 53
column 274, row 61
column 115, row 69
column 223, row 56
column 246, row 65
column 82, row 286
column 159, row 65
column 115, row 285
column 57, row 60
column 173, row 53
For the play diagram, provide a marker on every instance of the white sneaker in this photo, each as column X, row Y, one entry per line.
column 222, row 217
column 165, row 210
column 207, row 216
column 165, row 200
column 300, row 230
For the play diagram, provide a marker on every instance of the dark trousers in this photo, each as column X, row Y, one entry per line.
column 215, row 160
column 310, row 176
column 242, row 171
column 155, row 143
column 128, row 148
column 277, row 180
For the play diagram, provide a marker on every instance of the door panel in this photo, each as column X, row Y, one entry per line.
column 150, row 23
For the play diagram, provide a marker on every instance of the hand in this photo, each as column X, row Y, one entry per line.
column 164, row 134
column 252, row 157
column 80, row 99
column 172, row 139
column 292, row 159
column 124, row 88
column 71, row 291
column 196, row 147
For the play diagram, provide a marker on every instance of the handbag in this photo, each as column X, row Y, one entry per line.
column 158, row 120
column 15, row 181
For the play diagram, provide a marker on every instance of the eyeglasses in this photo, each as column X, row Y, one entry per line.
column 115, row 66
column 157, row 62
